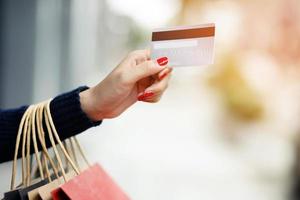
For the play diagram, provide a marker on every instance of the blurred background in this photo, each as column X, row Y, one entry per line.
column 227, row 131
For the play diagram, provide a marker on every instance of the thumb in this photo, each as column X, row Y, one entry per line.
column 149, row 68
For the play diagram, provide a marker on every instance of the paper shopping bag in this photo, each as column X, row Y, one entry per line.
column 24, row 192
column 12, row 195
column 27, row 184
column 44, row 192
column 92, row 184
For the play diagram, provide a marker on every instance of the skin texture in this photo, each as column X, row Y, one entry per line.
column 136, row 78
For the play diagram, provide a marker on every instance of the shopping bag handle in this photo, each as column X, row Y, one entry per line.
column 31, row 125
column 52, row 131
column 41, row 136
column 26, row 128
column 23, row 125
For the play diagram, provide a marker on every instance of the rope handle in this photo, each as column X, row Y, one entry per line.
column 23, row 124
column 31, row 127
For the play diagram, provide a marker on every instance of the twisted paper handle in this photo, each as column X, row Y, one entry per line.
column 31, row 127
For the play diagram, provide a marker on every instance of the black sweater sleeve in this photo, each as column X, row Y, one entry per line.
column 68, row 118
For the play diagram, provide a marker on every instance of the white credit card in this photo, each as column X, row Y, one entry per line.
column 184, row 46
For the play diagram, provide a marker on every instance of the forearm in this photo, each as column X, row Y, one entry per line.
column 67, row 113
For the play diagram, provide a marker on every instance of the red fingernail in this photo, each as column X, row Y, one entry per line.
column 148, row 94
column 140, row 98
column 162, row 76
column 162, row 61
column 145, row 95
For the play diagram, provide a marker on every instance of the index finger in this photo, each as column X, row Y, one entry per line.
column 140, row 55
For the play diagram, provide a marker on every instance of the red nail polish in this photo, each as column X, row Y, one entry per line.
column 163, row 75
column 140, row 98
column 148, row 94
column 162, row 61
column 145, row 95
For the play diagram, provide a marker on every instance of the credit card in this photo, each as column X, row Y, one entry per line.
column 185, row 45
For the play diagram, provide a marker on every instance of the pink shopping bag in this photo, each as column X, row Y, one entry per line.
column 92, row 184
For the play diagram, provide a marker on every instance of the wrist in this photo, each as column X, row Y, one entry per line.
column 89, row 105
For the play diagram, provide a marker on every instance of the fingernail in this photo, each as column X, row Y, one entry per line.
column 162, row 61
column 160, row 77
column 163, row 76
column 145, row 95
column 141, row 98
column 148, row 94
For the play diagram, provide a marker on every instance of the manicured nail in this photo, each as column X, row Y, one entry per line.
column 163, row 76
column 162, row 61
column 145, row 95
column 148, row 94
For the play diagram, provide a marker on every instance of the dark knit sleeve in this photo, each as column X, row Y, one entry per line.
column 68, row 118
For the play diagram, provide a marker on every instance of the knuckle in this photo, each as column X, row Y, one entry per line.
column 138, row 56
column 149, row 64
column 134, row 54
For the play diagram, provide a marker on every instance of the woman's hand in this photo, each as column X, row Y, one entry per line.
column 136, row 78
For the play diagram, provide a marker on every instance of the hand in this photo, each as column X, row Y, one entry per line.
column 136, row 78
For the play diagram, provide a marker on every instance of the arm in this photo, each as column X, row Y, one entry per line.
column 136, row 78
column 67, row 114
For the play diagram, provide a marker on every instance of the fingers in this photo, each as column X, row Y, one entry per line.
column 146, row 69
column 153, row 93
column 140, row 56
column 164, row 72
